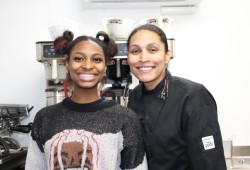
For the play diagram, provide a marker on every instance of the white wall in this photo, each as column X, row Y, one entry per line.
column 211, row 48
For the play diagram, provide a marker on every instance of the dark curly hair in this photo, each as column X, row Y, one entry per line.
column 65, row 43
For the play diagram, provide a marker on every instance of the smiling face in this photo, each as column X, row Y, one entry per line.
column 86, row 65
column 147, row 58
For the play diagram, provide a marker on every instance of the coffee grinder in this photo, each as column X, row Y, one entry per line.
column 55, row 71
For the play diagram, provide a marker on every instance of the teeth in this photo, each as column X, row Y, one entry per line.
column 86, row 74
column 145, row 68
column 87, row 77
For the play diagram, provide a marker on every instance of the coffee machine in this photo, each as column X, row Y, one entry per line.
column 55, row 71
column 118, row 77
column 12, row 155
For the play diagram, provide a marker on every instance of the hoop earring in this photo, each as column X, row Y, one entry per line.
column 102, row 88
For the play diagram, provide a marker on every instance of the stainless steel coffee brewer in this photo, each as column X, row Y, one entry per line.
column 118, row 75
column 12, row 155
column 55, row 71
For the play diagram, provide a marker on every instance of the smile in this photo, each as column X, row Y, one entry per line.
column 145, row 68
column 87, row 77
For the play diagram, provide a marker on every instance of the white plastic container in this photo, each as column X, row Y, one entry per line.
column 118, row 28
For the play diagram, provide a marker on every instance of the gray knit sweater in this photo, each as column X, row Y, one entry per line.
column 101, row 135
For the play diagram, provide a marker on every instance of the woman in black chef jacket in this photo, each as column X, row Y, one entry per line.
column 179, row 116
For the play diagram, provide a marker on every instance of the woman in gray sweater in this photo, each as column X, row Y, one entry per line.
column 86, row 131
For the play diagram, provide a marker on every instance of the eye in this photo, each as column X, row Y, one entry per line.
column 152, row 50
column 135, row 51
column 78, row 59
column 97, row 60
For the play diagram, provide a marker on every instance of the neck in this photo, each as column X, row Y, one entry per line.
column 151, row 85
column 85, row 95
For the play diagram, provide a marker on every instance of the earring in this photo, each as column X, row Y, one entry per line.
column 102, row 88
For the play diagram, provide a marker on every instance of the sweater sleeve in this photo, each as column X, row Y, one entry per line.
column 35, row 158
column 142, row 166
column 133, row 154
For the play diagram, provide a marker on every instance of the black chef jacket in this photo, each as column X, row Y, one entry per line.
column 181, row 132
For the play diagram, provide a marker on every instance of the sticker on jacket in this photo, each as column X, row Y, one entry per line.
column 208, row 142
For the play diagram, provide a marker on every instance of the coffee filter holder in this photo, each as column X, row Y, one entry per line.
column 56, row 28
column 118, row 28
column 163, row 22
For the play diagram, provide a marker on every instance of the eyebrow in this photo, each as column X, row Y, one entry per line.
column 136, row 45
column 83, row 54
column 154, row 44
column 79, row 53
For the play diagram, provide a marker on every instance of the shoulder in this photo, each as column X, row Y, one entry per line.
column 135, row 92
column 191, row 90
column 124, row 112
column 134, row 96
column 136, row 88
column 48, row 110
column 52, row 107
column 123, row 118
column 186, row 85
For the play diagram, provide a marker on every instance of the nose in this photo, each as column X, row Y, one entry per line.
column 88, row 64
column 144, row 56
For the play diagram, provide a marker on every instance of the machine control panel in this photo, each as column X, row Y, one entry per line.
column 45, row 51
column 122, row 49
column 49, row 51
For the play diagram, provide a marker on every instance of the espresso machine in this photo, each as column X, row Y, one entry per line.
column 12, row 155
column 55, row 71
